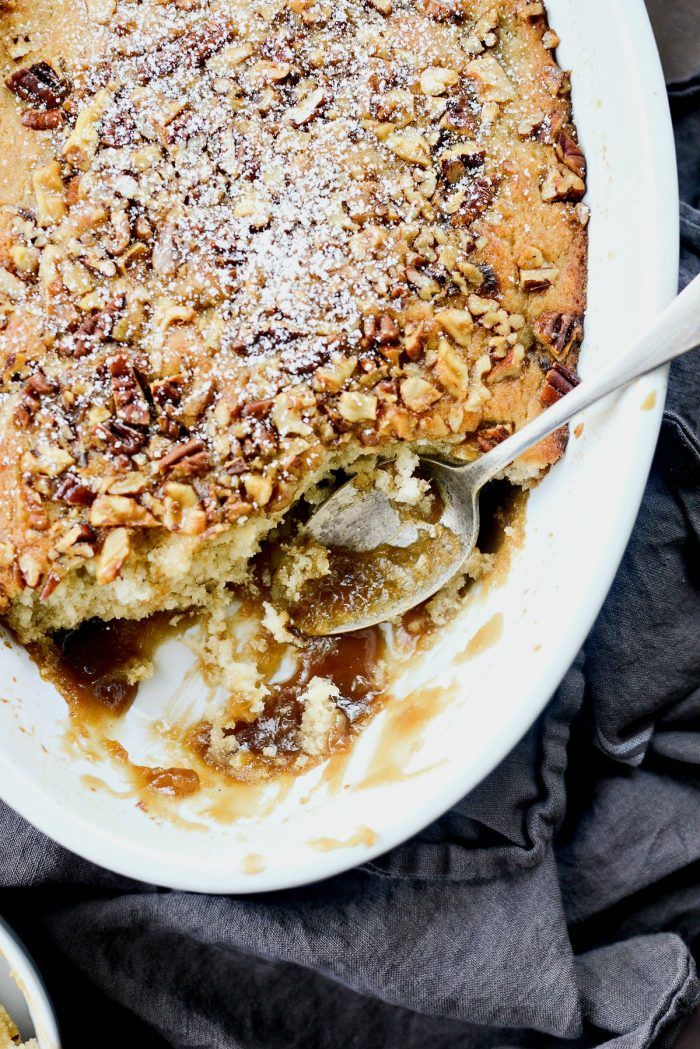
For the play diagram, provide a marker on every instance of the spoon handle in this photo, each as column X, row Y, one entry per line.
column 675, row 332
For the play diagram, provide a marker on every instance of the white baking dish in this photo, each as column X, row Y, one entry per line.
column 578, row 523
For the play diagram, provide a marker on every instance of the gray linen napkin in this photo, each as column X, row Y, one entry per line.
column 557, row 905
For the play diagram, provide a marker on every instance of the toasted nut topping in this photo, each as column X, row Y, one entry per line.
column 561, row 184
column 558, row 382
column 559, row 332
column 190, row 457
column 39, row 84
column 307, row 109
column 570, row 153
column 479, row 306
column 490, row 436
column 129, row 399
column 43, row 119
column 259, row 488
column 493, row 82
column 451, row 370
column 538, row 280
column 458, row 324
column 435, row 80
column 31, row 566
column 111, row 510
column 50, row 194
column 418, row 394
column 357, row 407
column 411, row 146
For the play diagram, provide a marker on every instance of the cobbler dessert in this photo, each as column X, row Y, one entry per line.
column 246, row 246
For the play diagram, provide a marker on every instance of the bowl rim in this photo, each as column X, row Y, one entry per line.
column 145, row 862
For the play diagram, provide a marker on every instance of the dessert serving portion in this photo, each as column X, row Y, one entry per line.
column 244, row 246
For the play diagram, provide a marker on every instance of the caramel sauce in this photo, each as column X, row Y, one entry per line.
column 366, row 583
column 483, row 639
column 91, row 665
column 400, row 736
column 350, row 661
column 167, row 782
column 253, row 863
column 364, row 836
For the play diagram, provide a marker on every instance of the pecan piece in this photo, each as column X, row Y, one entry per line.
column 39, row 84
column 559, row 332
column 188, row 458
column 379, row 331
column 52, row 581
column 98, row 327
column 443, row 10
column 43, row 119
column 460, row 114
column 490, row 436
column 122, row 437
column 477, row 199
column 74, row 492
column 192, row 49
column 570, row 153
column 36, row 386
column 129, row 399
column 257, row 408
column 559, row 381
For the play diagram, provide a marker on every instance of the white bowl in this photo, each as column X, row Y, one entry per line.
column 22, row 992
column 427, row 753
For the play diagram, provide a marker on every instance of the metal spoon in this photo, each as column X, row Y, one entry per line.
column 362, row 521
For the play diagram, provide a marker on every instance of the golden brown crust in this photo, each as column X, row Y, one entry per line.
column 245, row 237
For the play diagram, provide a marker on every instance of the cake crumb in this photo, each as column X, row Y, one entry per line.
column 320, row 714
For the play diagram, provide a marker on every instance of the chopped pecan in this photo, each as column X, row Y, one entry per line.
column 257, row 408
column 43, row 119
column 188, row 458
column 443, row 10
column 184, row 126
column 39, row 384
column 570, row 153
column 36, row 386
column 52, row 581
column 194, row 48
column 562, row 184
column 39, row 84
column 477, row 199
column 118, row 128
column 167, row 393
column 98, row 327
column 122, row 437
column 559, row 332
column 559, row 381
column 74, row 492
column 538, row 279
column 490, row 436
column 129, row 399
column 379, row 331
column 490, row 284
column 460, row 114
